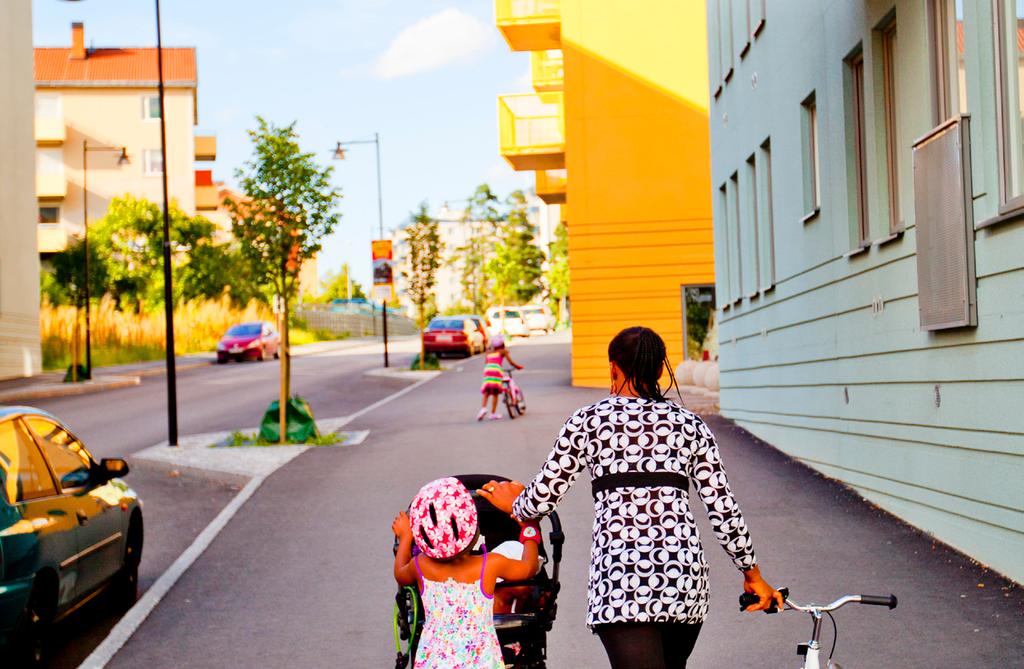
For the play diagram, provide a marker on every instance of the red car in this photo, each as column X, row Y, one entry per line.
column 248, row 341
column 455, row 334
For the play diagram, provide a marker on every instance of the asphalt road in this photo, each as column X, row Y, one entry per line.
column 225, row 397
column 302, row 575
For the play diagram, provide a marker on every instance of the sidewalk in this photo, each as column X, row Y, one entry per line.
column 302, row 575
column 51, row 384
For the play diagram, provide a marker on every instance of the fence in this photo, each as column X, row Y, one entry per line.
column 356, row 320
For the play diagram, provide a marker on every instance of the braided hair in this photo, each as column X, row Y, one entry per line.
column 640, row 354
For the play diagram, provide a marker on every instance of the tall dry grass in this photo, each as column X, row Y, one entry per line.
column 123, row 337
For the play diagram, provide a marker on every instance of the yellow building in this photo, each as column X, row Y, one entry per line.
column 19, row 260
column 103, row 99
column 617, row 129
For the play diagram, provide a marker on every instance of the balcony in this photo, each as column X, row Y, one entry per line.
column 529, row 25
column 50, row 131
column 51, row 237
column 532, row 130
column 551, row 186
column 207, row 198
column 548, row 74
column 51, row 186
column 206, row 147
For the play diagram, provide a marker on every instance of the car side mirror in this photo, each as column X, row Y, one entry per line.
column 112, row 468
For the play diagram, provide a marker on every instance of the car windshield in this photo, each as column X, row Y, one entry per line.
column 445, row 324
column 533, row 312
column 244, row 330
column 512, row 314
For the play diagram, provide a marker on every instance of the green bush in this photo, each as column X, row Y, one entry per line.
column 429, row 362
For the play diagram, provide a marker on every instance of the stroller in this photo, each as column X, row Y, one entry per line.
column 522, row 635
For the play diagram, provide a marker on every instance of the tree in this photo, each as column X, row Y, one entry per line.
column 527, row 257
column 557, row 276
column 340, row 286
column 288, row 210
column 484, row 219
column 424, row 244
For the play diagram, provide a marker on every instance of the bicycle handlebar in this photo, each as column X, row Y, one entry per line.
column 747, row 598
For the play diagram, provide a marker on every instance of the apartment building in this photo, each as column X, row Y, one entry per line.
column 93, row 102
column 868, row 183
column 616, row 128
column 19, row 260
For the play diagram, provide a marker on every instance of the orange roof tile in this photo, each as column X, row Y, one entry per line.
column 114, row 67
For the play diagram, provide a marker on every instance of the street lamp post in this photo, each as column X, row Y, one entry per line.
column 121, row 160
column 339, row 154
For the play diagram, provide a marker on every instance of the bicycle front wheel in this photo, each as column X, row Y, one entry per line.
column 510, row 404
column 520, row 402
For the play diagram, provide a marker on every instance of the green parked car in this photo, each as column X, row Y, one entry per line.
column 69, row 529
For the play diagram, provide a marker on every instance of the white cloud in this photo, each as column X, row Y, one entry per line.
column 446, row 37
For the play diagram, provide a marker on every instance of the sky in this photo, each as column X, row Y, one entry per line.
column 423, row 73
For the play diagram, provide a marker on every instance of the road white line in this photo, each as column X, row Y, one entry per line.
column 131, row 621
column 135, row 616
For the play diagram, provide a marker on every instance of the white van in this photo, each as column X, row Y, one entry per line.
column 538, row 317
column 512, row 324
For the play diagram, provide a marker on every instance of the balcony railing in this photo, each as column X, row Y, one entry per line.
column 50, row 131
column 547, row 69
column 551, row 185
column 206, row 147
column 51, row 237
column 206, row 191
column 51, row 186
column 532, row 129
column 529, row 25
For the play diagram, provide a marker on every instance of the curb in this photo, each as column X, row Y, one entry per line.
column 47, row 390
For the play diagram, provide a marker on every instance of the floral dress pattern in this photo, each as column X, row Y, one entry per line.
column 459, row 629
column 646, row 559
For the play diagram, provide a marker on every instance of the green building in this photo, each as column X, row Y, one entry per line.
column 868, row 183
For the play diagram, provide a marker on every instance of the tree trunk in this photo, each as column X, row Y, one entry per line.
column 423, row 345
column 285, row 370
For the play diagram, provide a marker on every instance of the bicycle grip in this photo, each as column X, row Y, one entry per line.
column 748, row 598
column 880, row 600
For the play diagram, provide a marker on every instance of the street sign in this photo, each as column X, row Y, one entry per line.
column 383, row 270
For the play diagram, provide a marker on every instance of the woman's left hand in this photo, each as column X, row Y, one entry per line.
column 501, row 495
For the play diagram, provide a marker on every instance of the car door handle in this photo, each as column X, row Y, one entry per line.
column 82, row 516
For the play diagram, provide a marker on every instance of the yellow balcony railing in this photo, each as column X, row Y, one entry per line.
column 532, row 129
column 551, row 186
column 51, row 237
column 51, row 186
column 50, row 131
column 206, row 147
column 547, row 70
column 530, row 25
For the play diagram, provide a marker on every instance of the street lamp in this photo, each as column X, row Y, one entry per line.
column 172, row 386
column 339, row 154
column 121, row 160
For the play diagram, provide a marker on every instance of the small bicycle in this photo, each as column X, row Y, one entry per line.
column 515, row 401
column 812, row 649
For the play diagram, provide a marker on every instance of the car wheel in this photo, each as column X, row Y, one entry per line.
column 32, row 638
column 126, row 585
column 222, row 361
column 277, row 353
column 263, row 354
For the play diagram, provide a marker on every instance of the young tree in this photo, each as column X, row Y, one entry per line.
column 519, row 236
column 484, row 219
column 424, row 243
column 557, row 276
column 341, row 286
column 288, row 210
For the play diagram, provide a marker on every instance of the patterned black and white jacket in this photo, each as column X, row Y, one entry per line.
column 646, row 560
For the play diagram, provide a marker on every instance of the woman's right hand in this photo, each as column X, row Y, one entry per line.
column 501, row 494
column 767, row 596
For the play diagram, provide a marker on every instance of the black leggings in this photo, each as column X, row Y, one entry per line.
column 648, row 645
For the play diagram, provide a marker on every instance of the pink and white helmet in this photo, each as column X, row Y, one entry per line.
column 443, row 518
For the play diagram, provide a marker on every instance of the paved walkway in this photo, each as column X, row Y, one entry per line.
column 302, row 575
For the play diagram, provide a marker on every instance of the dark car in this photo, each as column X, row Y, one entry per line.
column 455, row 334
column 69, row 528
column 249, row 341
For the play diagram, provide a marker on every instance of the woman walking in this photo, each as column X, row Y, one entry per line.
column 648, row 590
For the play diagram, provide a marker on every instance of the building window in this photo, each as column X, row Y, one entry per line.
column 49, row 215
column 152, row 162
column 812, row 174
column 948, row 44
column 750, row 220
column 756, row 12
column 151, row 107
column 725, row 44
column 715, row 50
column 766, row 233
column 722, row 246
column 50, row 161
column 47, row 105
column 858, row 140
column 736, row 237
column 1010, row 65
column 886, row 42
column 745, row 28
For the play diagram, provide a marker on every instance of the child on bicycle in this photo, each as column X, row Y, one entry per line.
column 494, row 377
column 457, row 588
